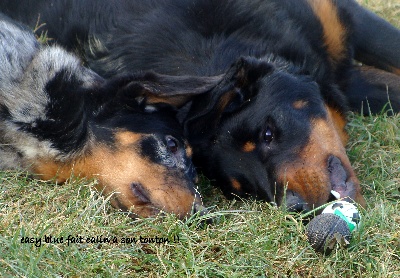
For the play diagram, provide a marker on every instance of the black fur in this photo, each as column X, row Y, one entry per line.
column 268, row 57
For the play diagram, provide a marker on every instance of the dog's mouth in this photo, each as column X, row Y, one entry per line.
column 143, row 199
column 139, row 192
column 342, row 187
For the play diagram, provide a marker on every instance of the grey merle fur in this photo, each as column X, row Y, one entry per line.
column 57, row 115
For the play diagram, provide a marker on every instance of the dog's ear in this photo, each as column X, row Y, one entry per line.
column 248, row 70
column 153, row 89
column 237, row 87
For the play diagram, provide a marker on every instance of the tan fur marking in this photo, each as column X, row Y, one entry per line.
column 249, row 147
column 47, row 169
column 395, row 70
column 300, row 104
column 339, row 121
column 127, row 137
column 166, row 188
column 236, row 184
column 224, row 100
column 189, row 151
column 116, row 170
column 334, row 31
column 176, row 101
column 308, row 175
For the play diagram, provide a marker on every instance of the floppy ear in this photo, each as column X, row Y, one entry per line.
column 248, row 70
column 153, row 88
column 237, row 86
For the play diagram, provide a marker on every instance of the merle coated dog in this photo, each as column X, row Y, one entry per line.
column 274, row 125
column 58, row 118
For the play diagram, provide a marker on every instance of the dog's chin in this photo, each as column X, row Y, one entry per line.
column 140, row 205
column 138, row 210
column 140, row 193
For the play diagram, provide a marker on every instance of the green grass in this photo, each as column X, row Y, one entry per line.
column 248, row 239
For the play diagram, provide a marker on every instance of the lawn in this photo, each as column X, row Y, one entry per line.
column 87, row 237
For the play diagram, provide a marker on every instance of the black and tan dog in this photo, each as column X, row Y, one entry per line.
column 58, row 118
column 277, row 118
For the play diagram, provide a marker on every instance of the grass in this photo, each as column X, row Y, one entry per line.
column 248, row 239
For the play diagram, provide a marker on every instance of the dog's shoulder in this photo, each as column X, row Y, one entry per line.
column 18, row 47
column 39, row 87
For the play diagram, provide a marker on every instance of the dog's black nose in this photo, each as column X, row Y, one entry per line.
column 202, row 211
column 294, row 203
column 199, row 208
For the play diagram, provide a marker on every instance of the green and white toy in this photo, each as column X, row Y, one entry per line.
column 347, row 211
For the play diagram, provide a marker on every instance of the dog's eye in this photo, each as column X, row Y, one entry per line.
column 268, row 135
column 172, row 144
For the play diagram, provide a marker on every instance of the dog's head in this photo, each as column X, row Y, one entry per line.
column 64, row 119
column 269, row 131
column 139, row 151
column 135, row 145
